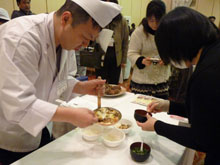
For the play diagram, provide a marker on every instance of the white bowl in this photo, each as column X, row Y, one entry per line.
column 113, row 138
column 92, row 133
column 124, row 125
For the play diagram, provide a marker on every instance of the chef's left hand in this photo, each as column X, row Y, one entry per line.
column 91, row 87
column 149, row 124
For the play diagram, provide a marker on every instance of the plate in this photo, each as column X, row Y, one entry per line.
column 121, row 92
column 107, row 116
column 144, row 100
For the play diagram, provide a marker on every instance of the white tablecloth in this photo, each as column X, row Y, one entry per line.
column 72, row 149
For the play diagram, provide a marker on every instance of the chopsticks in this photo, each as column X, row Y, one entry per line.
column 99, row 96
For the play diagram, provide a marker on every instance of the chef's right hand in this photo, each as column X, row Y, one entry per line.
column 158, row 105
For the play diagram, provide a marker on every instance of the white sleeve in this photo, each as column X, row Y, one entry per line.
column 18, row 72
column 72, row 81
column 135, row 46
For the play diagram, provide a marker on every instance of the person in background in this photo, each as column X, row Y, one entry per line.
column 24, row 9
column 4, row 17
column 183, row 48
column 35, row 52
column 132, row 28
column 178, row 83
column 129, row 28
column 149, row 77
column 212, row 19
column 116, row 55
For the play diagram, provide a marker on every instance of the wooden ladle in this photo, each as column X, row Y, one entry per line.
column 99, row 95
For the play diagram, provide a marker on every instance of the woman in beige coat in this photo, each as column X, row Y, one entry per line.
column 150, row 75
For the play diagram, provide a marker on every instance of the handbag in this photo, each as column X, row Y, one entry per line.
column 92, row 57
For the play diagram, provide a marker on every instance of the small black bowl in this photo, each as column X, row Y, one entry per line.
column 136, row 154
column 140, row 115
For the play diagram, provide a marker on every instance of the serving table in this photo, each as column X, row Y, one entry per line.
column 71, row 148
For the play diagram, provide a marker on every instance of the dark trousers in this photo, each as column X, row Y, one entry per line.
column 212, row 159
column 8, row 157
column 110, row 71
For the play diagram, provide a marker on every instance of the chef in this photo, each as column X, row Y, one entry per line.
column 34, row 72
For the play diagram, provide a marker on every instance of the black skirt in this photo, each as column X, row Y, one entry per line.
column 157, row 90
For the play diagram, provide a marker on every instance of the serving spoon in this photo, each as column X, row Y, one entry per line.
column 99, row 96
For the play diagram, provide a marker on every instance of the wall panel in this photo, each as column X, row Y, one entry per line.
column 168, row 5
column 7, row 5
column 54, row 5
column 216, row 11
column 144, row 4
column 136, row 12
column 126, row 7
column 205, row 6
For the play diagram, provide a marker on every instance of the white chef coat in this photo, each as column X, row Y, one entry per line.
column 28, row 80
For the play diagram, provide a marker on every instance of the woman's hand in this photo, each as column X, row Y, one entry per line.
column 149, row 124
column 161, row 62
column 146, row 61
column 158, row 105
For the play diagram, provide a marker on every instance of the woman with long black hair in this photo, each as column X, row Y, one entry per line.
column 150, row 77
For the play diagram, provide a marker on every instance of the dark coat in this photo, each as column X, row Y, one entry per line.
column 202, row 107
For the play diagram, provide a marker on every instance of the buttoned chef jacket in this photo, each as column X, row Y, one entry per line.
column 29, row 82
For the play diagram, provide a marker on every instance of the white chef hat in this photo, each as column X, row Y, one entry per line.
column 4, row 14
column 101, row 12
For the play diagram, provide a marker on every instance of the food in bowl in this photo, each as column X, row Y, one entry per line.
column 124, row 125
column 107, row 116
column 91, row 133
column 113, row 138
column 140, row 115
column 136, row 153
column 112, row 89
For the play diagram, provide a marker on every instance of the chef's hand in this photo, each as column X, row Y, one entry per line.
column 92, row 87
column 83, row 117
column 158, row 105
column 80, row 117
column 149, row 124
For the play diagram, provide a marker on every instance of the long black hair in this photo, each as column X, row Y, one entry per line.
column 156, row 8
column 182, row 33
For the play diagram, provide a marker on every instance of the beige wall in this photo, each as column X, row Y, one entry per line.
column 208, row 8
column 136, row 9
column 54, row 6
column 8, row 5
